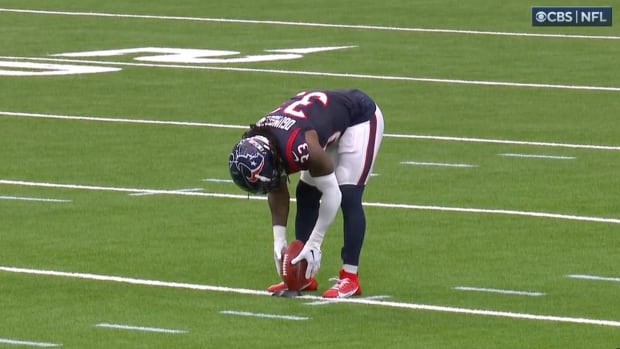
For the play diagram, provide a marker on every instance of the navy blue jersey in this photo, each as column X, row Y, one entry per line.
column 328, row 112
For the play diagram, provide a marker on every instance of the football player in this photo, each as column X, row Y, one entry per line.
column 332, row 137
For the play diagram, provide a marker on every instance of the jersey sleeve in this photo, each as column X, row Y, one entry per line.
column 296, row 151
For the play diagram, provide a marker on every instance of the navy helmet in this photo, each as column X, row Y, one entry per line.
column 253, row 165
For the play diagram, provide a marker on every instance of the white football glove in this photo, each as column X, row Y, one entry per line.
column 312, row 254
column 279, row 247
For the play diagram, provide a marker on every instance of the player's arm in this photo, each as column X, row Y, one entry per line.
column 319, row 163
column 279, row 201
column 321, row 169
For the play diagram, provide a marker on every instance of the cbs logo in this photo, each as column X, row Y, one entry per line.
column 553, row 17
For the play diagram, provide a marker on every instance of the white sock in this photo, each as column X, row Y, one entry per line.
column 348, row 268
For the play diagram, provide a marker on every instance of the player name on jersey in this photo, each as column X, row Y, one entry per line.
column 277, row 121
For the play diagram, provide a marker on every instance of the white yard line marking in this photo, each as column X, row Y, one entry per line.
column 400, row 305
column 122, row 120
column 188, row 190
column 503, row 141
column 497, row 211
column 133, row 281
column 263, row 315
column 23, row 198
column 331, row 301
column 494, row 290
column 326, row 74
column 593, row 277
column 217, row 180
column 140, row 328
column 322, row 302
column 369, row 204
column 387, row 135
column 28, row 343
column 309, row 24
column 535, row 156
column 440, row 164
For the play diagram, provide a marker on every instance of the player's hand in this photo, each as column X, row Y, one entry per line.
column 312, row 254
column 279, row 247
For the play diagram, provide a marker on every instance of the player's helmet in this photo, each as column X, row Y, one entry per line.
column 253, row 166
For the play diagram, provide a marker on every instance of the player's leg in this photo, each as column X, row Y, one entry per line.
column 357, row 151
column 354, row 226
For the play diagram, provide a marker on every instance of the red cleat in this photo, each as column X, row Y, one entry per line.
column 347, row 285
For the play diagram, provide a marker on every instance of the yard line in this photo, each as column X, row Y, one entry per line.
column 122, row 120
column 217, row 180
column 381, row 303
column 554, row 157
column 129, row 190
column 496, row 211
column 494, row 290
column 28, row 343
column 441, row 164
column 327, row 74
column 369, row 204
column 331, row 301
column 134, row 281
column 140, row 328
column 592, row 277
column 387, row 135
column 181, row 190
column 23, row 198
column 310, row 24
column 263, row 315
column 503, row 141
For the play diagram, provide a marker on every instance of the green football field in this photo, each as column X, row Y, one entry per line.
column 493, row 211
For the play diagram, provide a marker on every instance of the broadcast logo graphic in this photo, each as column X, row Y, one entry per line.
column 572, row 16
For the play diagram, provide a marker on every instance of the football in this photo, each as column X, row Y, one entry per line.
column 294, row 275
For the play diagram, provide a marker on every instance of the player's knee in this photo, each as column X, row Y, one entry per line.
column 351, row 197
column 343, row 174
